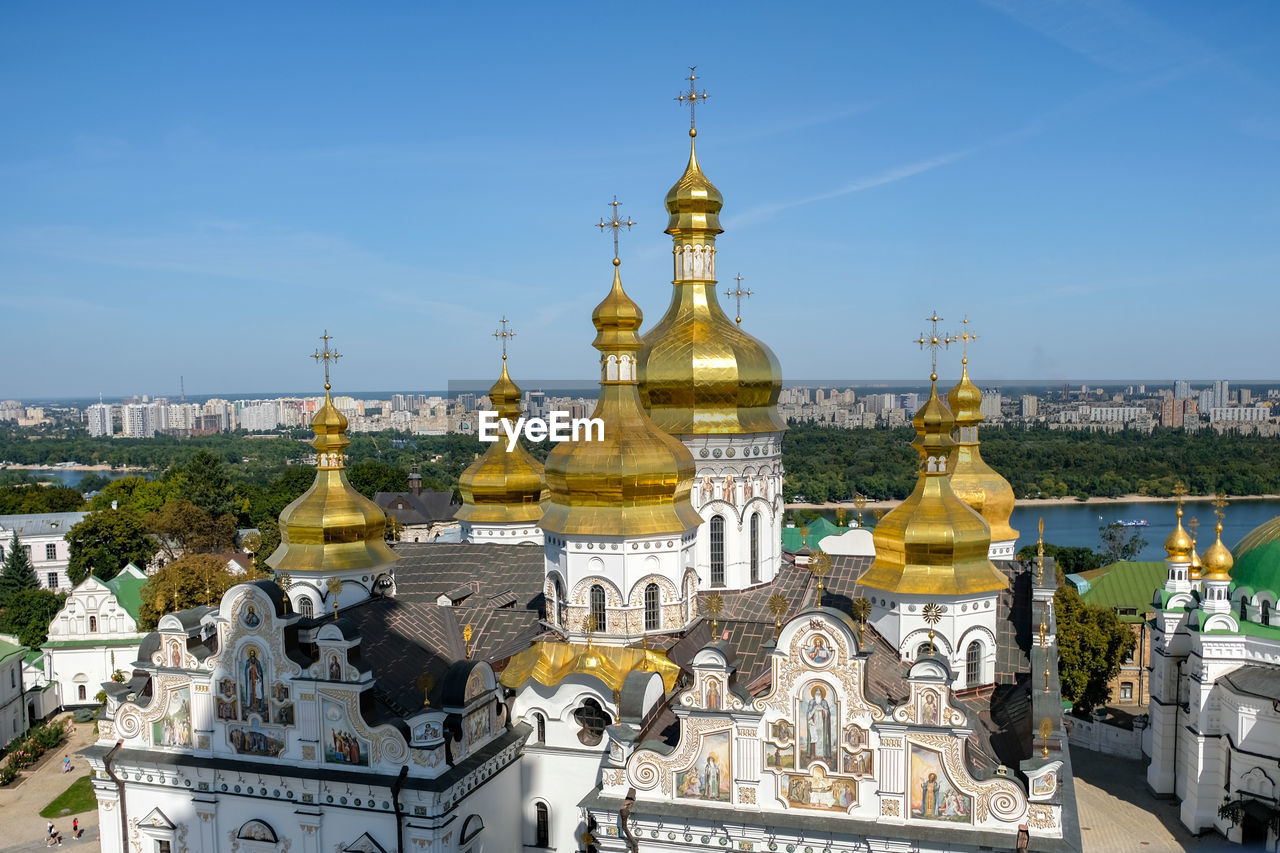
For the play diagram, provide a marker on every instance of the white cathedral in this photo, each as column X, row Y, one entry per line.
column 619, row 656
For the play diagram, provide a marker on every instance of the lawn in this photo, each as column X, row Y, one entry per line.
column 76, row 799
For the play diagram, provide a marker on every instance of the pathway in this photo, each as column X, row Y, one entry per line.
column 22, row 800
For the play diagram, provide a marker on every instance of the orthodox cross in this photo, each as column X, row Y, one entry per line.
column 694, row 98
column 777, row 606
column 861, row 608
column 466, row 640
column 1219, row 502
column 614, row 224
column 503, row 335
column 932, row 615
column 714, row 605
column 738, row 294
column 934, row 342
column 1040, row 553
column 1194, row 524
column 964, row 337
column 1046, row 732
column 819, row 564
column 326, row 355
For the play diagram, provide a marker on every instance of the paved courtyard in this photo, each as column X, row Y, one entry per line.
column 1119, row 815
column 21, row 827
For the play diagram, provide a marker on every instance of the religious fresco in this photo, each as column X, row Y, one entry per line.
column 713, row 702
column 782, row 730
column 174, row 728
column 929, row 713
column 709, row 777
column 227, row 688
column 175, row 654
column 1045, row 784
column 335, row 667
column 341, row 746
column 250, row 617
column 479, row 725
column 227, row 711
column 475, row 685
column 817, row 790
column 781, row 757
column 855, row 737
column 932, row 795
column 255, row 740
column 857, row 764
column 429, row 730
column 819, row 651
column 253, row 684
column 817, row 711
column 283, row 714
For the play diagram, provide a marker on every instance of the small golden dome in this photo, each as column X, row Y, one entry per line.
column 933, row 543
column 1218, row 560
column 1197, row 570
column 693, row 202
column 972, row 479
column 501, row 486
column 331, row 527
column 637, row 479
column 1178, row 544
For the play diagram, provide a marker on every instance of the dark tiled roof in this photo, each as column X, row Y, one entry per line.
column 423, row 508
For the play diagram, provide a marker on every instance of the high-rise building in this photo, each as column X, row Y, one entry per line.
column 991, row 401
column 1182, row 389
column 1221, row 394
column 1030, row 405
column 134, row 422
column 99, row 420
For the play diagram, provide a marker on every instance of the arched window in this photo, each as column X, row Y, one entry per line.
column 540, row 727
column 597, row 607
column 81, row 693
column 652, row 618
column 542, row 825
column 1244, row 613
column 973, row 664
column 593, row 719
column 306, row 607
column 1265, row 613
column 755, row 547
column 717, row 550
column 93, row 624
column 923, row 651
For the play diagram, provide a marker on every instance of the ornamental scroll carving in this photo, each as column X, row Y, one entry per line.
column 819, row 647
column 1001, row 799
column 388, row 744
column 648, row 770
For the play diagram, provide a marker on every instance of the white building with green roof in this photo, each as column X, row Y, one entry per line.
column 13, row 713
column 1215, row 681
column 94, row 635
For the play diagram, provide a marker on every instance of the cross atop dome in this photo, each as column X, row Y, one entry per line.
column 738, row 294
column 964, row 337
column 503, row 334
column 326, row 355
column 615, row 225
column 694, row 98
column 934, row 342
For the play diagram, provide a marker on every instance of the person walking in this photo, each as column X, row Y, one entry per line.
column 75, row 827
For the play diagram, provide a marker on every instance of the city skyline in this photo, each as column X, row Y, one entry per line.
column 1082, row 182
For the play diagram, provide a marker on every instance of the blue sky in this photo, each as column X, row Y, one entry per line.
column 200, row 191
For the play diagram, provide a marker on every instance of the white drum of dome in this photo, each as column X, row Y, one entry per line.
column 560, row 426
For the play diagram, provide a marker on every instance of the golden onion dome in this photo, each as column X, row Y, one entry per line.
column 1178, row 544
column 1217, row 560
column 503, row 485
column 1197, row 568
column 637, row 479
column 699, row 372
column 972, row 479
column 331, row 527
column 933, row 543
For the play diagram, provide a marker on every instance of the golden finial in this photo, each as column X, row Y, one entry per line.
column 714, row 604
column 1040, row 554
column 738, row 293
column 327, row 356
column 859, row 503
column 589, row 626
column 284, row 582
column 1046, row 677
column 861, row 608
column 964, row 337
column 467, row 634
column 1044, row 624
column 614, row 224
column 1220, row 502
column 804, row 536
column 777, row 606
column 819, row 564
column 1194, row 524
column 694, row 98
column 932, row 615
column 934, row 341
column 504, row 334
column 335, row 587
column 425, row 682
column 1046, row 732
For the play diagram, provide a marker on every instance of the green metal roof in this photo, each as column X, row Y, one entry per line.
column 89, row 644
column 1257, row 566
column 819, row 529
column 9, row 650
column 127, row 588
column 1124, row 585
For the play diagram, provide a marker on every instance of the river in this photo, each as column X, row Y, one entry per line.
column 1076, row 524
column 72, row 476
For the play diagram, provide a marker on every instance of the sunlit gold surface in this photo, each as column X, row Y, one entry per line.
column 1217, row 560
column 700, row 373
column 500, row 486
column 1178, row 544
column 933, row 543
column 637, row 480
column 551, row 663
column 331, row 527
column 972, row 479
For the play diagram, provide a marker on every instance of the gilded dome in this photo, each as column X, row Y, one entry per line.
column 637, row 479
column 1257, row 559
column 503, row 485
column 699, row 372
column 1178, row 544
column 1217, row 560
column 933, row 543
column 972, row 479
column 331, row 527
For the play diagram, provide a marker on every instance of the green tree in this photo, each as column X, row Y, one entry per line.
column 105, row 542
column 1118, row 543
column 33, row 497
column 133, row 493
column 1092, row 643
column 93, row 482
column 28, row 614
column 17, row 572
column 268, row 542
column 189, row 581
column 1070, row 560
column 371, row 476
column 206, row 484
column 184, row 528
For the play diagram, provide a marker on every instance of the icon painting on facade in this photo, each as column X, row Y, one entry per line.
column 708, row 778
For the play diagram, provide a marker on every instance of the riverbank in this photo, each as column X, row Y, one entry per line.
column 17, row 466
column 1034, row 502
